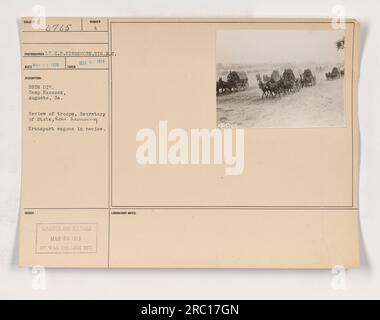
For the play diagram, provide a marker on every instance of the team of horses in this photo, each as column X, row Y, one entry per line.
column 273, row 85
column 223, row 87
column 276, row 85
column 236, row 81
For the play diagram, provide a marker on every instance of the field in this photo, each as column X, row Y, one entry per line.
column 318, row 106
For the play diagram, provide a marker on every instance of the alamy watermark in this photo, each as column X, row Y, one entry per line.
column 339, row 279
column 39, row 278
column 39, row 17
column 338, row 21
column 192, row 147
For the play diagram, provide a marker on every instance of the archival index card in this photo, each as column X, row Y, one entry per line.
column 189, row 143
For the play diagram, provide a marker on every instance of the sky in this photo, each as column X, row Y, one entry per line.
column 278, row 46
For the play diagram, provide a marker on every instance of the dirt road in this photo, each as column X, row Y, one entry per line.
column 319, row 106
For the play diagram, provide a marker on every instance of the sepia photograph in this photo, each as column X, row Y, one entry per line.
column 280, row 78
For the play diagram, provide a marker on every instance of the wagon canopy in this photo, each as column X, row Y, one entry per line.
column 307, row 73
column 275, row 76
column 242, row 75
column 289, row 76
column 335, row 71
column 237, row 75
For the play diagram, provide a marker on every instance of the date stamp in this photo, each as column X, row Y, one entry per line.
column 66, row 238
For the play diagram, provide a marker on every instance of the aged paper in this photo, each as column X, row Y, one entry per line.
column 189, row 143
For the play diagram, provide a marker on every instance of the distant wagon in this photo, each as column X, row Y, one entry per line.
column 288, row 76
column 289, row 81
column 237, row 80
column 308, row 78
column 334, row 74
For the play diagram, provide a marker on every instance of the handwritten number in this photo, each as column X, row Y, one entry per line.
column 58, row 27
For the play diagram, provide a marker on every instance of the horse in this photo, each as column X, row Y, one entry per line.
column 264, row 88
column 223, row 86
column 274, row 88
column 298, row 84
column 219, row 87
